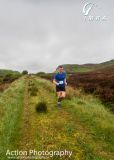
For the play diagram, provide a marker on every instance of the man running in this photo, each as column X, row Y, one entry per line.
column 60, row 82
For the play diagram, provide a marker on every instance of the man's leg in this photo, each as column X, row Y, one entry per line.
column 58, row 94
column 63, row 94
column 59, row 98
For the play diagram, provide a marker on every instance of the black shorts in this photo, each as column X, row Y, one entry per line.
column 59, row 89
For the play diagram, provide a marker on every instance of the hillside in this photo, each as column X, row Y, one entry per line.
column 82, row 126
column 100, row 83
column 97, row 79
column 76, row 68
column 4, row 72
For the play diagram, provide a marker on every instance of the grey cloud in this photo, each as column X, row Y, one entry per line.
column 39, row 35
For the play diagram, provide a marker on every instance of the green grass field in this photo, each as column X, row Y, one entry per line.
column 82, row 125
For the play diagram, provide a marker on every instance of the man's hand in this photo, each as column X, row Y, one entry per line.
column 57, row 84
column 66, row 83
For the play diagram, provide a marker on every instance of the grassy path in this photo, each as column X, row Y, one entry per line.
column 26, row 142
column 72, row 127
column 82, row 125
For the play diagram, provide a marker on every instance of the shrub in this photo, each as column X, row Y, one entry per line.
column 25, row 72
column 10, row 78
column 100, row 84
column 41, row 107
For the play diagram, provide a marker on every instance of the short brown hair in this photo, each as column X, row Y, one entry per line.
column 60, row 66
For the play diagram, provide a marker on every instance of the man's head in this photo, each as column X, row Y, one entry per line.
column 60, row 69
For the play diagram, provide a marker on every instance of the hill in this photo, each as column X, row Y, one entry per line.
column 82, row 126
column 76, row 68
column 4, row 72
column 97, row 79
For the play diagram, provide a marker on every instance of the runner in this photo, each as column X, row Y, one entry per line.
column 60, row 82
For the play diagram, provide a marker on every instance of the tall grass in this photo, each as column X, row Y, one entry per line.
column 11, row 103
column 99, row 121
column 82, row 125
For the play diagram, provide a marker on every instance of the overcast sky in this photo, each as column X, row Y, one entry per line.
column 38, row 35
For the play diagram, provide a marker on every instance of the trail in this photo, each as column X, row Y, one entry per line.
column 82, row 124
column 26, row 135
column 43, row 131
column 58, row 129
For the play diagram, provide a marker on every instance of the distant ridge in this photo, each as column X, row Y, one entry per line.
column 76, row 68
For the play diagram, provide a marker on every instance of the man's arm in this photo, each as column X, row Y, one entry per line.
column 65, row 82
column 65, row 79
column 54, row 81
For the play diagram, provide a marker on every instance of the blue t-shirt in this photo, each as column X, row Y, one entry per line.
column 60, row 78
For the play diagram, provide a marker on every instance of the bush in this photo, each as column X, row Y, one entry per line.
column 25, row 72
column 41, row 107
column 10, row 78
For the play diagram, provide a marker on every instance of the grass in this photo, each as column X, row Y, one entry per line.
column 97, row 119
column 11, row 109
column 83, row 125
column 32, row 88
